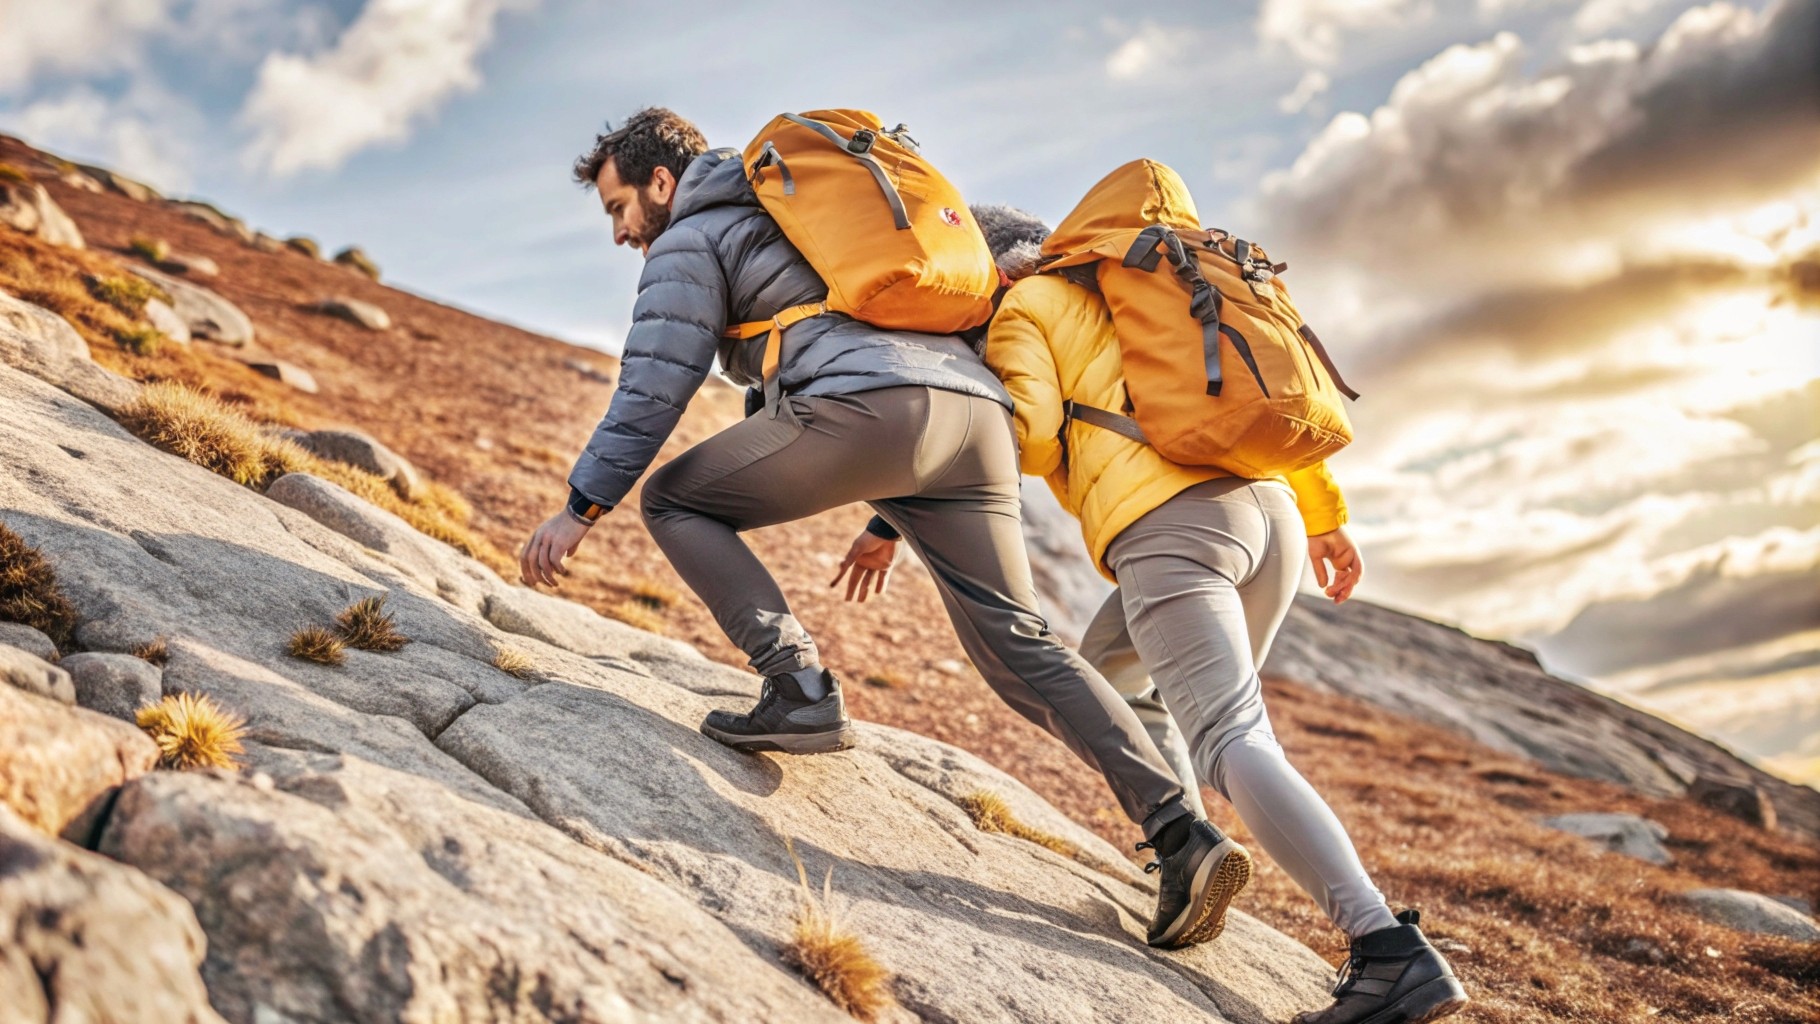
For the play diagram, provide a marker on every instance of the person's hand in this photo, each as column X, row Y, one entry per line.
column 1348, row 567
column 555, row 540
column 870, row 559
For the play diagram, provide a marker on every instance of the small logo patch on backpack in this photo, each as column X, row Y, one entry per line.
column 952, row 218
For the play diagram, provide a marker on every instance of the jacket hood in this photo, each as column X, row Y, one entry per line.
column 715, row 178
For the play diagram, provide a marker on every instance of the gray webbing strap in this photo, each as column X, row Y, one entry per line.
column 1112, row 421
column 767, row 157
column 899, row 215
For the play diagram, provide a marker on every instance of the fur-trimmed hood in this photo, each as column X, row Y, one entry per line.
column 1014, row 236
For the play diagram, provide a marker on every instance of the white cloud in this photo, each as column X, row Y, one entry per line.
column 39, row 37
column 1145, row 50
column 1315, row 30
column 1601, row 17
column 146, row 133
column 1308, row 88
column 394, row 65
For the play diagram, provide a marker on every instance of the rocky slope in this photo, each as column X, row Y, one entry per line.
column 420, row 835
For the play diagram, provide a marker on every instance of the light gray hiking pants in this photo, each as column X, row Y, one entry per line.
column 1205, row 580
column 941, row 467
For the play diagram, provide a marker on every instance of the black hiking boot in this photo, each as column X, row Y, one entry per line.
column 1393, row 977
column 1196, row 885
column 798, row 712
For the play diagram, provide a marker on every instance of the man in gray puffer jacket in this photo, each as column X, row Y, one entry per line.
column 913, row 424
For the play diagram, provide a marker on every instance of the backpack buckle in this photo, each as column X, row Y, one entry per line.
column 862, row 141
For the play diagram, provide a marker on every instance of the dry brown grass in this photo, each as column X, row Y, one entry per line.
column 653, row 595
column 29, row 593
column 990, row 813
column 514, row 662
column 192, row 731
column 225, row 440
column 885, row 680
column 67, row 282
column 313, row 643
column 156, row 651
column 831, row 957
column 13, row 174
column 366, row 625
column 638, row 615
column 1555, row 929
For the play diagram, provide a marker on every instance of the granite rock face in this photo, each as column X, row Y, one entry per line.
column 61, row 765
column 209, row 316
column 418, row 835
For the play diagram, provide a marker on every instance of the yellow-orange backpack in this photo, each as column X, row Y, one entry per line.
column 891, row 238
column 1219, row 367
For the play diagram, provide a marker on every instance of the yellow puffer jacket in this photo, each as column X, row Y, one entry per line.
column 1052, row 341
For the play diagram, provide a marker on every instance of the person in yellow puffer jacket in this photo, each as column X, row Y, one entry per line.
column 1206, row 565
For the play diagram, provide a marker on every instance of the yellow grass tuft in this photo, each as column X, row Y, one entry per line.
column 833, row 958
column 313, row 643
column 13, row 174
column 514, row 662
column 990, row 813
column 155, row 250
column 886, row 680
column 127, row 294
column 367, row 626
column 141, row 340
column 192, row 731
column 216, row 437
column 654, row 595
column 155, row 651
column 29, row 592
column 637, row 615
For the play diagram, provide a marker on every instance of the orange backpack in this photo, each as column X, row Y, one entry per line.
column 1219, row 367
column 891, row 238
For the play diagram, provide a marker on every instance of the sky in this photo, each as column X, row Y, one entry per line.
column 1569, row 250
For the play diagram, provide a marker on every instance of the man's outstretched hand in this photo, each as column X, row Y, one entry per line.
column 869, row 559
column 555, row 540
column 1348, row 566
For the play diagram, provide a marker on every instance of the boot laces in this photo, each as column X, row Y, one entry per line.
column 767, row 696
column 1349, row 974
column 1153, row 866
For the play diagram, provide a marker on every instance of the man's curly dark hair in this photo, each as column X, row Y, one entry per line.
column 651, row 138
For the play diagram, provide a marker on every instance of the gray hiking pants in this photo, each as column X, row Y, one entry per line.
column 941, row 467
column 1205, row 580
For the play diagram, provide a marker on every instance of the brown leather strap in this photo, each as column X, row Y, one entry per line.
column 1314, row 342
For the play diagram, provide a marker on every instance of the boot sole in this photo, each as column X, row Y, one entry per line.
column 784, row 742
column 1442, row 997
column 1216, row 882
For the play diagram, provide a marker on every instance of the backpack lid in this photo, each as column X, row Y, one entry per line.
column 1123, row 203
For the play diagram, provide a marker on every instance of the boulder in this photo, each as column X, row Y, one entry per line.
column 231, row 226
column 209, row 316
column 60, row 765
column 1739, row 798
column 362, row 452
column 304, row 245
column 266, row 243
column 33, row 674
column 27, row 639
column 81, row 182
column 1752, row 912
column 117, row 685
column 29, row 208
column 1620, row 833
column 91, row 940
column 354, row 311
column 43, row 344
column 354, row 259
column 161, row 316
column 286, row 373
column 134, row 190
column 189, row 266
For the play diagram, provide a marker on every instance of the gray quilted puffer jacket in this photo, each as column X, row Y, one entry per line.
column 722, row 261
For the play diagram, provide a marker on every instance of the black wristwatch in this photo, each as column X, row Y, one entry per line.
column 584, row 509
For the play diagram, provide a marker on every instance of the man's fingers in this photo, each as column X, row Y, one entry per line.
column 853, row 581
column 846, row 563
column 1320, row 570
column 884, row 578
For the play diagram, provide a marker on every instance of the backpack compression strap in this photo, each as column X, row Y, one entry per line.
column 774, row 345
column 1203, row 299
column 1118, row 424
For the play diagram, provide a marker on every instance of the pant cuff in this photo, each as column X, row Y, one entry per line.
column 1169, row 811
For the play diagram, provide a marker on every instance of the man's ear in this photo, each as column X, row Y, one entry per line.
column 663, row 185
